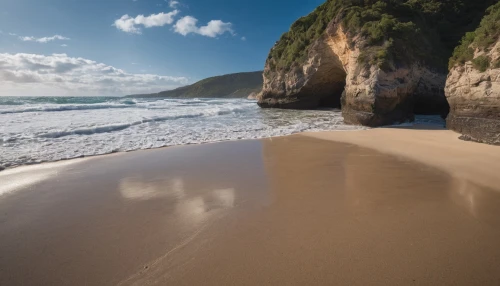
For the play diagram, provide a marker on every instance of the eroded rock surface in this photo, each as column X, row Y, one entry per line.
column 333, row 76
column 474, row 98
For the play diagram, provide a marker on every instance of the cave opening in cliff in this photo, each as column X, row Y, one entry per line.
column 328, row 84
column 332, row 98
column 434, row 104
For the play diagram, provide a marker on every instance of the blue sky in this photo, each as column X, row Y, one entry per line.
column 60, row 46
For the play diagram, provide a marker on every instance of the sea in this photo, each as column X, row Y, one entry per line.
column 45, row 129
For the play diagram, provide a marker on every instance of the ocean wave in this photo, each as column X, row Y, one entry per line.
column 121, row 105
column 11, row 102
column 29, row 138
column 129, row 102
column 87, row 131
column 119, row 127
column 7, row 139
column 64, row 108
column 226, row 111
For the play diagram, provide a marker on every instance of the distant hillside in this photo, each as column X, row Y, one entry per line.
column 238, row 85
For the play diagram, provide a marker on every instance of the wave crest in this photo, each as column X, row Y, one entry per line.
column 119, row 127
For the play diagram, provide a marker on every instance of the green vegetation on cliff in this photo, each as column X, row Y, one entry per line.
column 238, row 85
column 393, row 31
column 482, row 38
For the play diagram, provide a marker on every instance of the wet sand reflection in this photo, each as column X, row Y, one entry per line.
column 291, row 210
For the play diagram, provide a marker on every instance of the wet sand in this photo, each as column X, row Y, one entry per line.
column 293, row 210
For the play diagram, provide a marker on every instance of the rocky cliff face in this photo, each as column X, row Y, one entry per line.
column 319, row 82
column 474, row 98
column 380, row 61
column 334, row 76
column 473, row 84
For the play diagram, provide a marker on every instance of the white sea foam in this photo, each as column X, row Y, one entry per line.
column 62, row 108
column 35, row 130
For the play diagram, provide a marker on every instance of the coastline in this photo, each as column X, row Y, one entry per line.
column 423, row 143
column 284, row 210
column 365, row 151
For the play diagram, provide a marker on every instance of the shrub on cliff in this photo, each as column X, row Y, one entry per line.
column 393, row 31
column 481, row 63
column 482, row 38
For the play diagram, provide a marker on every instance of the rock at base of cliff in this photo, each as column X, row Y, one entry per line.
column 253, row 95
column 375, row 120
column 476, row 129
column 474, row 98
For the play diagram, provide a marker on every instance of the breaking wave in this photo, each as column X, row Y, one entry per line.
column 36, row 130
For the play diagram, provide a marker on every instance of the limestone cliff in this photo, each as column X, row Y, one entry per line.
column 334, row 76
column 473, row 85
column 380, row 61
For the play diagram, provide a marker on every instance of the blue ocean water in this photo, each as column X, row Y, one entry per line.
column 44, row 129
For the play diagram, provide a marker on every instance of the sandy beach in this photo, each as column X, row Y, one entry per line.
column 387, row 206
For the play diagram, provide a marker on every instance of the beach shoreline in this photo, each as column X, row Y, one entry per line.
column 386, row 141
column 298, row 209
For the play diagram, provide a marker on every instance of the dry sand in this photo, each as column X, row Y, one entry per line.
column 284, row 211
column 479, row 163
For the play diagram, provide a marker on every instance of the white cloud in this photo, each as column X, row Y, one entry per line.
column 130, row 25
column 214, row 28
column 13, row 34
column 44, row 39
column 243, row 38
column 173, row 4
column 59, row 74
column 186, row 25
column 64, row 45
